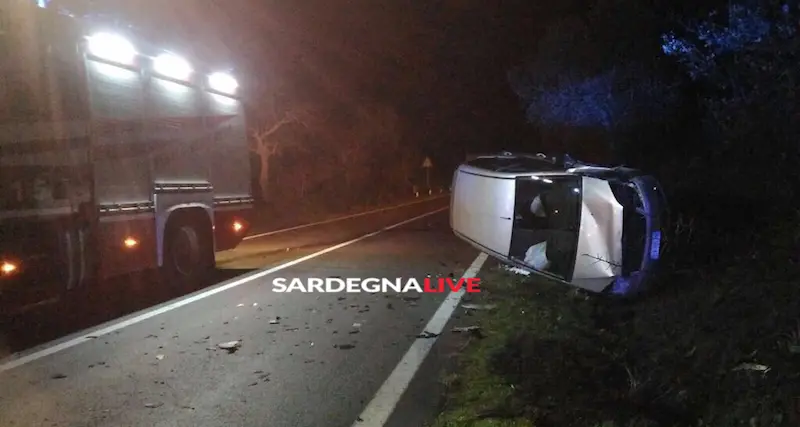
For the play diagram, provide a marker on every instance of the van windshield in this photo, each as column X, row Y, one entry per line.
column 547, row 223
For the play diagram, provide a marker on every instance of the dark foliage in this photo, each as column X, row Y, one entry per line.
column 706, row 96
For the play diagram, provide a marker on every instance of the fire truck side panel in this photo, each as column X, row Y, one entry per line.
column 120, row 155
column 180, row 148
column 122, row 183
column 231, row 171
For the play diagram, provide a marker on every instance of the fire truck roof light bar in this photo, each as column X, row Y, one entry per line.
column 117, row 49
column 223, row 83
column 173, row 67
column 113, row 48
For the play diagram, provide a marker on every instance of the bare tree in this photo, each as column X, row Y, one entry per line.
column 267, row 144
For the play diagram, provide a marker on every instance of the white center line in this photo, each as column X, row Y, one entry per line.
column 340, row 218
column 378, row 411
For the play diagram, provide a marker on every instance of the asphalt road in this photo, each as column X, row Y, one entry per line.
column 305, row 359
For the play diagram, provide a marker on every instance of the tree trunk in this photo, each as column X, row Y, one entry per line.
column 263, row 175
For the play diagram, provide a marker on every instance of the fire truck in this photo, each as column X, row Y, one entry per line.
column 116, row 156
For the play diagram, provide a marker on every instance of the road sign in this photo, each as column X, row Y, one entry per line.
column 427, row 164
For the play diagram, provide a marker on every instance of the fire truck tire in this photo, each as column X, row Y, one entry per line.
column 188, row 252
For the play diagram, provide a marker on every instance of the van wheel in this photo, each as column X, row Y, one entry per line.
column 186, row 258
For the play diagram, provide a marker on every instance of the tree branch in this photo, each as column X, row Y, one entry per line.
column 262, row 136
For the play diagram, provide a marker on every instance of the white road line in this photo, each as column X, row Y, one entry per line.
column 20, row 359
column 340, row 218
column 378, row 411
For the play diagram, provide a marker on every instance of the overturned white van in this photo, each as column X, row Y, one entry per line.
column 597, row 228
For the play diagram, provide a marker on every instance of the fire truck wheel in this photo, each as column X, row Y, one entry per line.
column 186, row 254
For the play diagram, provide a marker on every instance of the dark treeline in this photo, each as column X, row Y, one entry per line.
column 311, row 157
column 701, row 94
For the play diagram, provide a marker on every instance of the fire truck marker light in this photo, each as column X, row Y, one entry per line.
column 8, row 267
column 130, row 242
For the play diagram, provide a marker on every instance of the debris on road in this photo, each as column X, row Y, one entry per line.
column 230, row 346
column 160, row 356
column 426, row 335
column 411, row 298
column 344, row 346
column 517, row 270
column 752, row 367
column 478, row 306
column 389, row 306
column 58, row 376
column 474, row 331
column 153, row 405
column 275, row 321
column 264, row 377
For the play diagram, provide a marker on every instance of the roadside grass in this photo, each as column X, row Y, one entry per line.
column 717, row 344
